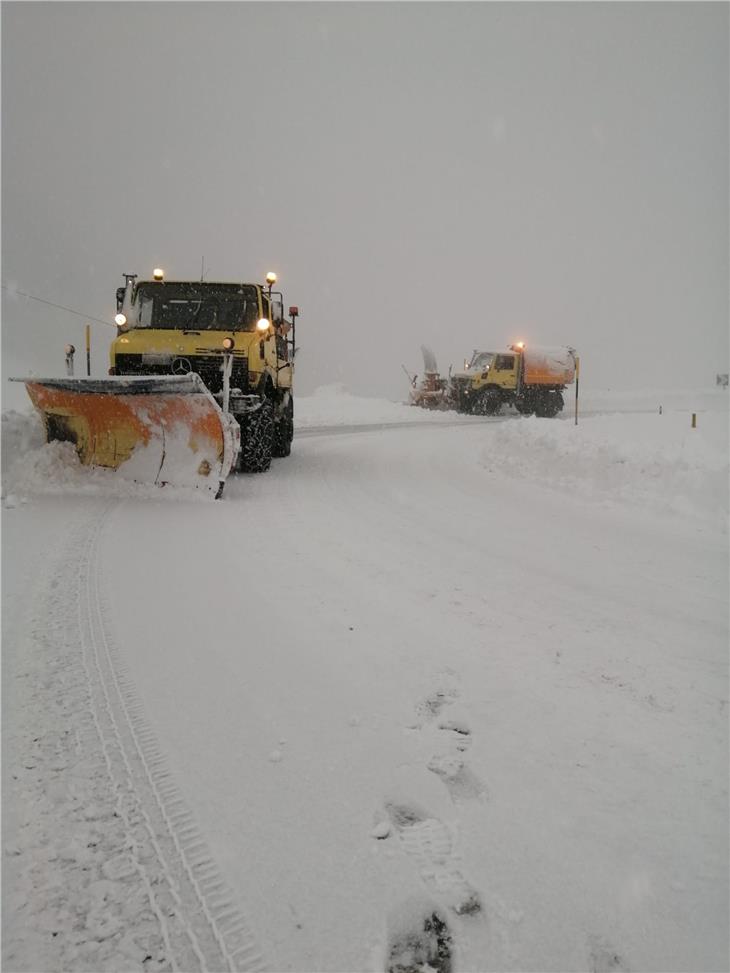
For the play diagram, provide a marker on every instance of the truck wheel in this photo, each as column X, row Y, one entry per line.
column 284, row 431
column 549, row 405
column 257, row 440
column 487, row 404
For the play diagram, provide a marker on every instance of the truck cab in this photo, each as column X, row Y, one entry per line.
column 178, row 327
column 484, row 375
column 232, row 334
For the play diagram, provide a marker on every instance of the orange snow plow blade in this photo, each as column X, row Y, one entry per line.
column 162, row 430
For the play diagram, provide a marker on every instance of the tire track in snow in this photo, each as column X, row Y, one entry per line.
column 200, row 924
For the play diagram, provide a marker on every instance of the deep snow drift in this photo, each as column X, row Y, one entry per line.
column 453, row 688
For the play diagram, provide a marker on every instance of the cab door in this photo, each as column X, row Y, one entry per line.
column 284, row 364
column 504, row 371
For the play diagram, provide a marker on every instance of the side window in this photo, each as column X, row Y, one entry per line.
column 145, row 311
column 250, row 314
column 504, row 363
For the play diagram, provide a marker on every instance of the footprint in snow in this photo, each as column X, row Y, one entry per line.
column 431, row 845
column 430, row 707
column 451, row 741
column 449, row 761
column 422, row 944
column 603, row 958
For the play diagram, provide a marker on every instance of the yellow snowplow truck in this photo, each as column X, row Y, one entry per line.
column 531, row 379
column 201, row 384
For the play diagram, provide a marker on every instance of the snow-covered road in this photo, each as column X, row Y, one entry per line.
column 464, row 669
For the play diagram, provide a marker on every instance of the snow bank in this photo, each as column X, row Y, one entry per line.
column 656, row 460
column 21, row 432
column 30, row 466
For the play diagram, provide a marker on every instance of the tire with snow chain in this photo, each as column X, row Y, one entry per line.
column 284, row 431
column 549, row 405
column 525, row 404
column 257, row 435
column 487, row 403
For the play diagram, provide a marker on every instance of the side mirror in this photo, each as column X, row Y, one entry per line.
column 120, row 298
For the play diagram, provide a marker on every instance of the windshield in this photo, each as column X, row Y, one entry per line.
column 197, row 306
column 482, row 360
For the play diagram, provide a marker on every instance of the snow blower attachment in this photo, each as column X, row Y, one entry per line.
column 162, row 430
column 432, row 391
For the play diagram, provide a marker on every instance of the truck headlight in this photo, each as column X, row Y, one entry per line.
column 263, row 324
column 229, row 344
column 121, row 320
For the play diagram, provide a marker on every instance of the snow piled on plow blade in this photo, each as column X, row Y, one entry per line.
column 164, row 431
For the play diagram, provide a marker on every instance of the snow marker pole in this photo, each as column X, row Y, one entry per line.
column 577, row 379
column 88, row 350
column 694, row 420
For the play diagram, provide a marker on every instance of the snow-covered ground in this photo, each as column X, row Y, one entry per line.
column 434, row 686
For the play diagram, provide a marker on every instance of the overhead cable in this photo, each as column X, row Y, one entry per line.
column 88, row 317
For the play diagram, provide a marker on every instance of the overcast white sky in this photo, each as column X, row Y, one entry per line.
column 455, row 174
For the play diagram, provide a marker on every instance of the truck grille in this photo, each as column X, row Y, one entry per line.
column 207, row 366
